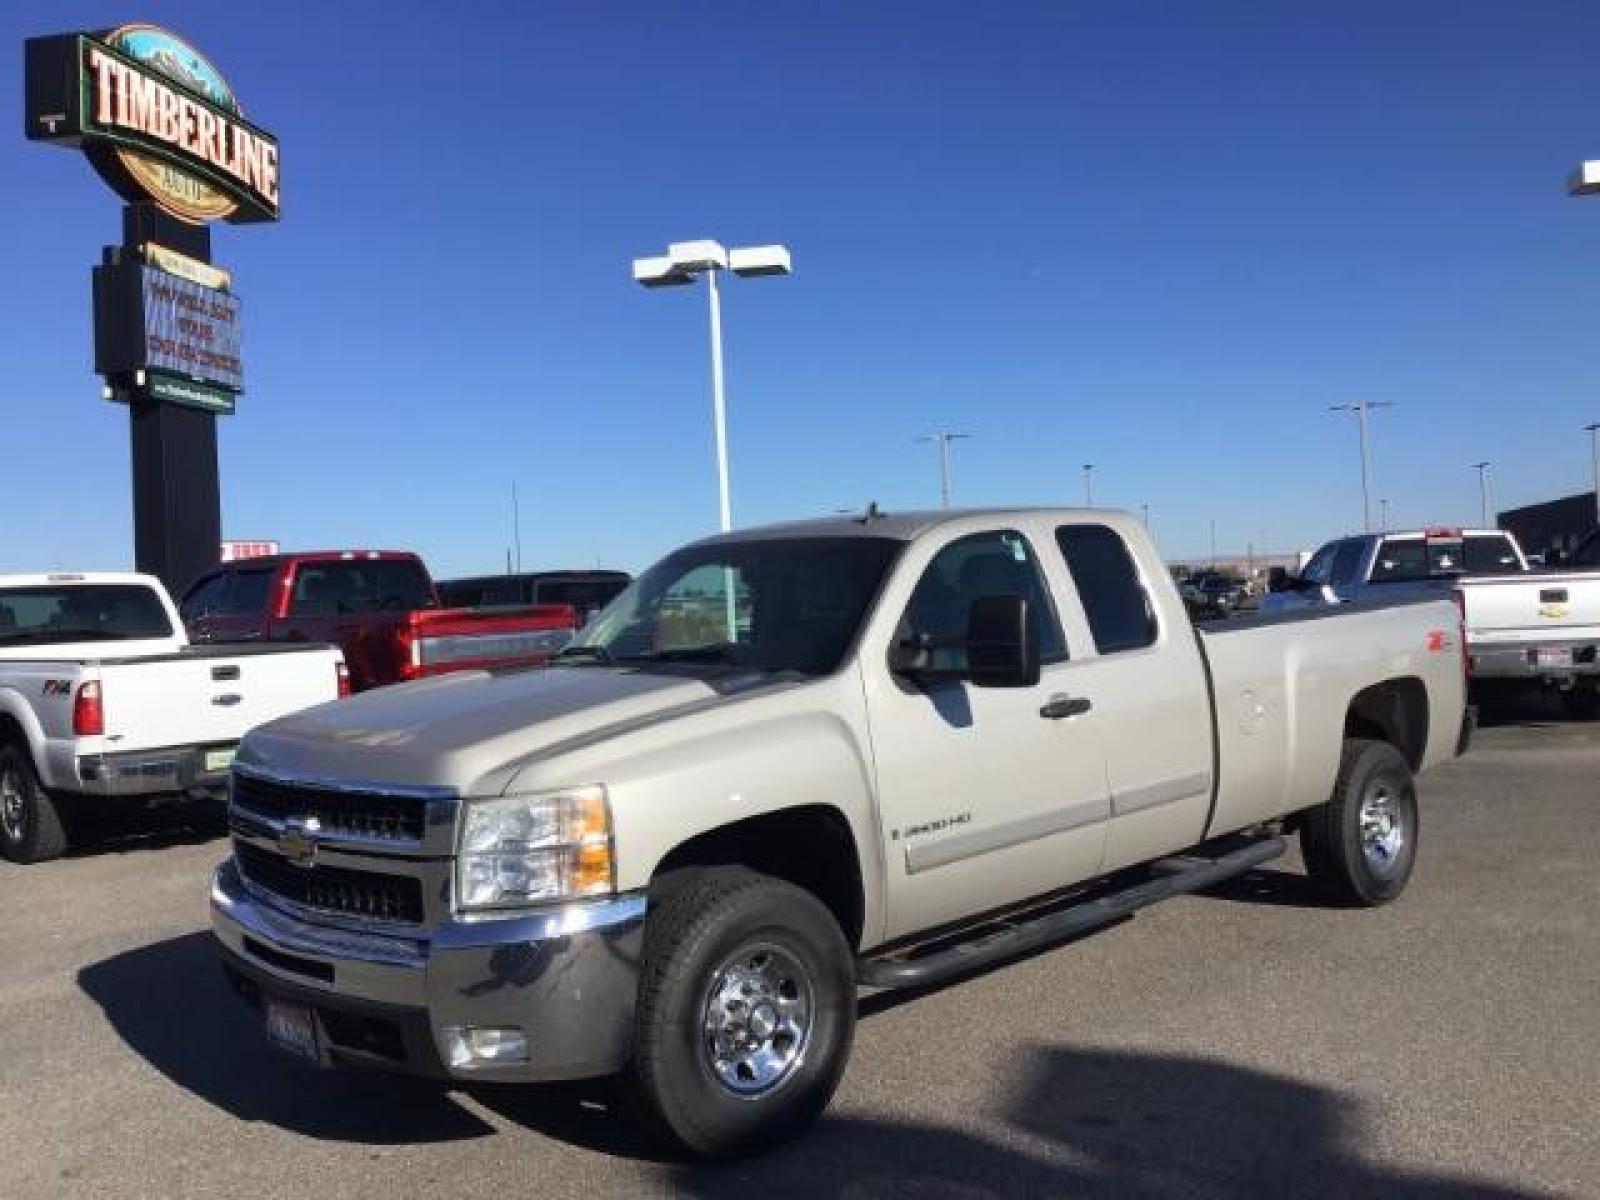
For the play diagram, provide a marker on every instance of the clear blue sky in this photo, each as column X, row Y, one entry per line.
column 1159, row 237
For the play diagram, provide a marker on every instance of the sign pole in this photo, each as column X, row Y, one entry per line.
column 177, row 494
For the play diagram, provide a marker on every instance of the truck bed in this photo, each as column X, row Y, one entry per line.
column 1274, row 757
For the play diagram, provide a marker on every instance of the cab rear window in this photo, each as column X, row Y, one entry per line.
column 91, row 612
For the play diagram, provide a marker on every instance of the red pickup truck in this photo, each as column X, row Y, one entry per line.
column 378, row 606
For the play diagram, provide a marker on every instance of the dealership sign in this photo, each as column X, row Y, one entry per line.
column 156, row 119
column 173, row 338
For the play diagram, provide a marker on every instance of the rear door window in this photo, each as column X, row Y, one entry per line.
column 1114, row 599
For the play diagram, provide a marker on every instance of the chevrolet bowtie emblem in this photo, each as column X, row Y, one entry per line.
column 298, row 841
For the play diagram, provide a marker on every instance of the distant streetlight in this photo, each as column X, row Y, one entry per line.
column 1361, row 409
column 1594, row 453
column 944, row 439
column 1482, row 468
column 1088, row 485
column 1144, row 515
column 1213, row 543
column 1383, row 516
column 684, row 262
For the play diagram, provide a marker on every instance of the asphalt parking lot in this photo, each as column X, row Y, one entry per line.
column 1240, row 1043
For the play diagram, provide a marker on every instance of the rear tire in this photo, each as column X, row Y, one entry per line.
column 747, row 1008
column 32, row 828
column 1361, row 845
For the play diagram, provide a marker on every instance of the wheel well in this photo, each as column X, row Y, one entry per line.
column 811, row 847
column 1395, row 711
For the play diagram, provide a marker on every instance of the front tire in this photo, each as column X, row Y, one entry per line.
column 31, row 826
column 1361, row 845
column 746, row 1013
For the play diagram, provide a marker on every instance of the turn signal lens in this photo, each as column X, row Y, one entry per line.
column 342, row 674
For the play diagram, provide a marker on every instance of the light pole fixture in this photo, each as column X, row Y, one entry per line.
column 1482, row 468
column 1585, row 181
column 944, row 439
column 1361, row 409
column 683, row 263
column 1593, row 430
column 1088, row 485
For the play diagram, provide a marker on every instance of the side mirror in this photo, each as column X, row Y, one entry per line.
column 1002, row 643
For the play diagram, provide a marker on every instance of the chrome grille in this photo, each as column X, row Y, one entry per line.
column 365, row 894
column 340, row 813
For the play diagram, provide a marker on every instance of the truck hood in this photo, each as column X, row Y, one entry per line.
column 455, row 730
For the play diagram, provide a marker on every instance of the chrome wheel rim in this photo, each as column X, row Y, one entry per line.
column 13, row 807
column 757, row 1024
column 1382, row 821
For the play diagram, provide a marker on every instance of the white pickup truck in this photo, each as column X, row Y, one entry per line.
column 1524, row 629
column 103, row 700
column 789, row 762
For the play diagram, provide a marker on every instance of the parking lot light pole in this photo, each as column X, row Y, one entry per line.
column 1383, row 515
column 944, row 439
column 1361, row 409
column 683, row 263
column 1088, row 485
column 1482, row 469
column 1593, row 430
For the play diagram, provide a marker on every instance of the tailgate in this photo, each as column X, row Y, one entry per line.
column 1532, row 608
column 459, row 639
column 210, row 694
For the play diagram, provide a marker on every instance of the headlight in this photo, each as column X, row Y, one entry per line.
column 518, row 850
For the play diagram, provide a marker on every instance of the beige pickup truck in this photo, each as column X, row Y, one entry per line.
column 791, row 762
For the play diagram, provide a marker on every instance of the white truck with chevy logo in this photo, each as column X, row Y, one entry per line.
column 104, row 701
column 792, row 761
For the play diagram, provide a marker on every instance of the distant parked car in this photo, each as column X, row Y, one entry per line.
column 1213, row 595
column 586, row 591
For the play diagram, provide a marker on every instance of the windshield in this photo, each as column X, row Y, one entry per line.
column 780, row 604
column 56, row 614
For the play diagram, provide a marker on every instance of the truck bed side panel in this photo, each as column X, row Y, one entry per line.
column 1283, row 688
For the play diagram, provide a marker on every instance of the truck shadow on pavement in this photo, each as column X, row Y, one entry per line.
column 1075, row 1121
column 1078, row 1122
column 170, row 1003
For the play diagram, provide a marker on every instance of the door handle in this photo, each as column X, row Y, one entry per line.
column 1058, row 707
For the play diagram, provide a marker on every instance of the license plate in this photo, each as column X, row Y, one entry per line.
column 219, row 760
column 1552, row 656
column 293, row 1028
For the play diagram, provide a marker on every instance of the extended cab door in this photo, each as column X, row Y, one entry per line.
column 1143, row 672
column 985, row 798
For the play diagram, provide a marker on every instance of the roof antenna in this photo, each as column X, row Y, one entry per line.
column 873, row 513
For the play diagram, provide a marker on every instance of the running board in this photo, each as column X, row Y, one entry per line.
column 1019, row 936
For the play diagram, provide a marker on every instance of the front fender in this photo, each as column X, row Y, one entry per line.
column 698, row 773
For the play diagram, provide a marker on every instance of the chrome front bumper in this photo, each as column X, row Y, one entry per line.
column 567, row 978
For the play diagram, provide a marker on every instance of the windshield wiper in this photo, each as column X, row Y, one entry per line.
column 573, row 655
